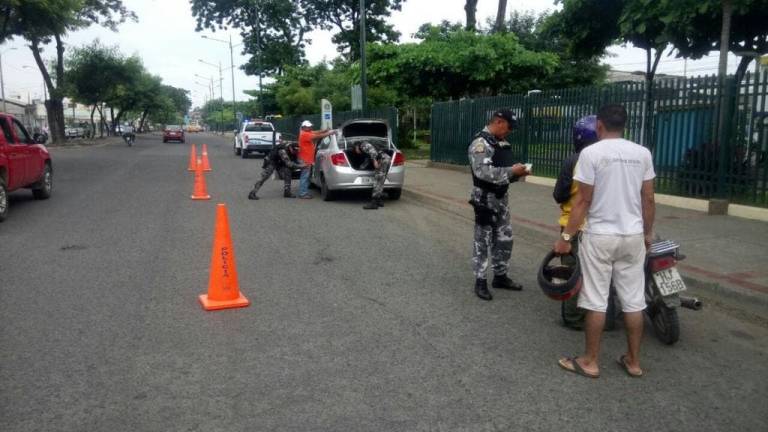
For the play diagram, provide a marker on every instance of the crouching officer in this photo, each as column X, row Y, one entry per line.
column 493, row 169
column 381, row 161
column 283, row 158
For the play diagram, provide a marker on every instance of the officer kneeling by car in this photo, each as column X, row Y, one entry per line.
column 282, row 158
column 493, row 169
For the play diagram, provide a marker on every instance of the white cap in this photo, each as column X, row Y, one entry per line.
column 306, row 123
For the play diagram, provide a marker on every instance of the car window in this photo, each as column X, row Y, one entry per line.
column 6, row 131
column 258, row 127
column 21, row 133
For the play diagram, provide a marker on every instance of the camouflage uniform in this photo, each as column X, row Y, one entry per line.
column 492, row 227
column 380, row 173
column 280, row 159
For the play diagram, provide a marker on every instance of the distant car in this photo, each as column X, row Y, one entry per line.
column 256, row 137
column 338, row 168
column 24, row 163
column 74, row 132
column 173, row 133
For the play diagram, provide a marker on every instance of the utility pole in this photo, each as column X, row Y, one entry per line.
column 221, row 96
column 232, row 70
column 363, row 78
column 723, row 130
column 258, row 59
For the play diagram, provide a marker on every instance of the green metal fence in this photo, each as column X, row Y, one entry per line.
column 289, row 126
column 680, row 128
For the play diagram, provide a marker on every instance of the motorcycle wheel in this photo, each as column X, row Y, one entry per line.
column 666, row 324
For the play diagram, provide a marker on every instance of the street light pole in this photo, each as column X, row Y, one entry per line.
column 232, row 70
column 363, row 78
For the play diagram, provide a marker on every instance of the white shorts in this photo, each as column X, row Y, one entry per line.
column 612, row 257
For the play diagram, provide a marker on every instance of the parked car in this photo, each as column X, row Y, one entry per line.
column 338, row 168
column 173, row 133
column 24, row 163
column 255, row 137
column 74, row 132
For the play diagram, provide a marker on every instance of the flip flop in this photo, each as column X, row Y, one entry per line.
column 575, row 367
column 624, row 366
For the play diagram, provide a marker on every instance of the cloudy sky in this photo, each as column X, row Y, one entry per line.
column 165, row 38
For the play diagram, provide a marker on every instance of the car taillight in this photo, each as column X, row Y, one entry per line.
column 662, row 263
column 339, row 159
column 399, row 159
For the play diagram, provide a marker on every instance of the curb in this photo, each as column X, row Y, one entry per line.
column 754, row 302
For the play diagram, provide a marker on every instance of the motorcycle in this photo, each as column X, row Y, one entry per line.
column 663, row 286
column 129, row 138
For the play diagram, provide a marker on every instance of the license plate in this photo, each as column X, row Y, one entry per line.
column 364, row 180
column 669, row 281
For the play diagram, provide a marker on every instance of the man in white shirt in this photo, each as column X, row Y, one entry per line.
column 615, row 181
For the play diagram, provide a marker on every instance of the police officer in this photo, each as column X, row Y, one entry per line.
column 283, row 158
column 493, row 169
column 380, row 161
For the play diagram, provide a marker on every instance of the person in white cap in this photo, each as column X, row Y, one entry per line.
column 307, row 138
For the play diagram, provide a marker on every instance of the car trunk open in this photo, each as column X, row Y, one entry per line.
column 374, row 132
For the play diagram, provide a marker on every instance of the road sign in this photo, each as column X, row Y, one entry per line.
column 326, row 119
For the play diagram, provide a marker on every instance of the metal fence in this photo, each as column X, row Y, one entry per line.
column 289, row 126
column 680, row 127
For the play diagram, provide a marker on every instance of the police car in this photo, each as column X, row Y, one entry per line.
column 255, row 137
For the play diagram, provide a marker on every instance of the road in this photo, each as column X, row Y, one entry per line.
column 360, row 320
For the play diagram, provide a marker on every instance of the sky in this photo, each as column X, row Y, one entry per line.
column 165, row 38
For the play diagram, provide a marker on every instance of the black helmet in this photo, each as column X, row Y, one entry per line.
column 559, row 281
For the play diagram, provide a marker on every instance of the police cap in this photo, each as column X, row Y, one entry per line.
column 507, row 115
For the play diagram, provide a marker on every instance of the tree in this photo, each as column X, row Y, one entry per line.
column 344, row 16
column 45, row 21
column 273, row 31
column 698, row 27
column 501, row 15
column 456, row 64
column 470, row 8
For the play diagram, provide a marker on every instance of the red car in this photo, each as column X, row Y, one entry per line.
column 173, row 133
column 24, row 163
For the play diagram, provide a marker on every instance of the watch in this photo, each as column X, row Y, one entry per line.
column 566, row 237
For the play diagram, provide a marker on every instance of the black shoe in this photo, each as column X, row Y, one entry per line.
column 288, row 195
column 371, row 205
column 503, row 282
column 252, row 195
column 481, row 289
column 380, row 202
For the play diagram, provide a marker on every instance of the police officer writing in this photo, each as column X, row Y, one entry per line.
column 493, row 169
column 283, row 158
column 380, row 161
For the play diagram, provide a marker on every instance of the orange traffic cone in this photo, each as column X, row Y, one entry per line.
column 192, row 158
column 200, row 192
column 223, row 288
column 206, row 164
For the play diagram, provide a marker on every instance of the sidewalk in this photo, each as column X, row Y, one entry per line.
column 726, row 255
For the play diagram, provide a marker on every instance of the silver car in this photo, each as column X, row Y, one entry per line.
column 338, row 168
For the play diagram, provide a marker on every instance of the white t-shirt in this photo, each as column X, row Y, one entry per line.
column 616, row 168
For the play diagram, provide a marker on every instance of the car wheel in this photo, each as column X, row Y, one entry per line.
column 327, row 194
column 44, row 187
column 3, row 200
column 165, row 141
column 394, row 194
column 237, row 151
column 243, row 154
column 183, row 141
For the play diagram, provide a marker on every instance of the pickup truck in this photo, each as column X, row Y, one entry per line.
column 255, row 137
column 24, row 163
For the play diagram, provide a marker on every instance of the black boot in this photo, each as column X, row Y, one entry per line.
column 252, row 195
column 288, row 194
column 371, row 205
column 379, row 202
column 503, row 282
column 481, row 289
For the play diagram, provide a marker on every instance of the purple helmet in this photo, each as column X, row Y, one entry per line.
column 585, row 132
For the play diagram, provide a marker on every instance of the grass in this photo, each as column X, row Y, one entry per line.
column 420, row 151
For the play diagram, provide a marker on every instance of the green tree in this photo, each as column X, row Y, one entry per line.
column 344, row 17
column 46, row 21
column 273, row 31
column 459, row 64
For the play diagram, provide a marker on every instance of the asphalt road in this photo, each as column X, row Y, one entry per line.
column 360, row 320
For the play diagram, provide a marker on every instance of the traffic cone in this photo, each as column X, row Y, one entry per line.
column 200, row 192
column 223, row 288
column 192, row 158
column 206, row 164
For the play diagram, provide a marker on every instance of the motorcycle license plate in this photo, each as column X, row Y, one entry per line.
column 669, row 281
